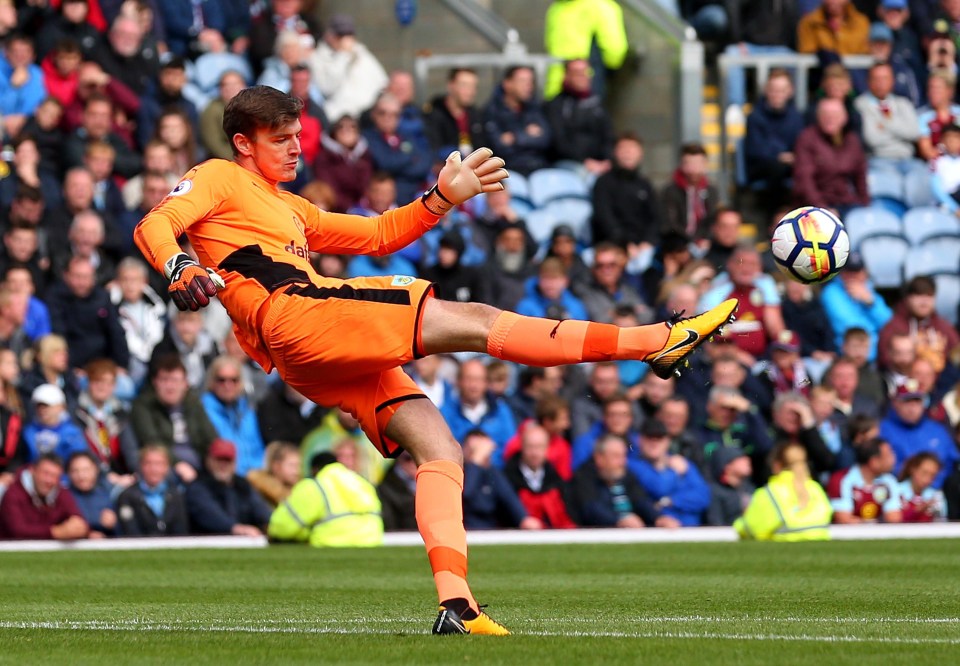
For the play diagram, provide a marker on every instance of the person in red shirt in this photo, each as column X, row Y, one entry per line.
column 36, row 507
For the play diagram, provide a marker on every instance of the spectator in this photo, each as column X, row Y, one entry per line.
column 231, row 413
column 581, row 129
column 732, row 422
column 671, row 481
column 794, row 421
column 106, row 424
column 834, row 26
column 99, row 158
column 537, row 484
column 609, row 288
column 21, row 83
column 36, row 507
column 154, row 505
column 21, row 244
column 904, row 75
column 279, row 17
column 14, row 452
column 404, row 156
column 452, row 120
column 723, row 238
column 830, row 167
column 563, row 246
column 945, row 180
column 604, row 494
column 220, row 502
column 175, row 129
column 921, row 502
column 837, row 84
column 13, row 314
column 168, row 412
column 916, row 318
column 214, row 141
column 515, row 124
column 690, row 200
column 910, row 431
column 890, row 133
column 549, row 296
column 121, row 55
column 585, row 29
column 50, row 366
column 791, row 507
column 940, row 113
column 867, row 492
column 674, row 414
column 51, row 430
column 489, row 501
column 397, row 495
column 85, row 241
column 758, row 27
column 848, row 401
column 92, row 493
column 345, row 163
column 96, row 125
column 454, row 281
column 290, row 50
column 553, row 415
column 18, row 279
column 168, row 95
column 70, row 23
column 348, row 75
column 285, row 414
column 618, row 419
column 340, row 433
column 509, row 266
column 588, row 409
column 190, row 32
column 142, row 313
column 856, row 347
column 400, row 84
column 803, row 312
column 82, row 312
column 785, row 372
column 280, row 473
column 625, row 207
column 29, row 170
column 334, row 492
column 532, row 384
column 61, row 77
column 426, row 373
column 851, row 301
column 772, row 131
column 157, row 161
column 187, row 337
column 475, row 408
column 731, row 488
column 93, row 82
column 896, row 14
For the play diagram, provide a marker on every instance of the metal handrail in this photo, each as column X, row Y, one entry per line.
column 487, row 23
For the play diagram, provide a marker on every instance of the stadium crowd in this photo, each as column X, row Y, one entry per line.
column 121, row 416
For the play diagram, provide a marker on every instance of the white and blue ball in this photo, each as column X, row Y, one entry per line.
column 810, row 245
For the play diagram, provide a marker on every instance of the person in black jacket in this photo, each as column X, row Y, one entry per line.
column 397, row 493
column 604, row 494
column 286, row 415
column 452, row 121
column 582, row 131
column 454, row 281
column 625, row 207
column 514, row 122
column 220, row 502
column 82, row 312
column 154, row 505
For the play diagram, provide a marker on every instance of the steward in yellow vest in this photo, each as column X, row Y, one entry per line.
column 570, row 31
column 791, row 507
column 337, row 507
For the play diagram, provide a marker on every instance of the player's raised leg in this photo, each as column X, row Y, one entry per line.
column 448, row 326
column 420, row 429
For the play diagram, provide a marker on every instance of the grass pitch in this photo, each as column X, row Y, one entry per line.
column 881, row 602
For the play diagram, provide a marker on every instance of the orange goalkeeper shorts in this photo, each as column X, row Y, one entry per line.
column 343, row 345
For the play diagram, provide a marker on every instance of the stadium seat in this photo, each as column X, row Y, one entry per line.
column 926, row 222
column 549, row 184
column 884, row 257
column 518, row 185
column 522, row 206
column 870, row 221
column 938, row 256
column 575, row 212
column 540, row 224
column 948, row 296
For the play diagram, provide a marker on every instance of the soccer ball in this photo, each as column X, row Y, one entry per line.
column 810, row 244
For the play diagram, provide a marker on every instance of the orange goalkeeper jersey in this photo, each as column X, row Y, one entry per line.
column 258, row 237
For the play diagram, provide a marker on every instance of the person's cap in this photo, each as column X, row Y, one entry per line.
column 222, row 450
column 48, row 394
column 723, row 457
column 653, row 428
column 786, row 341
column 563, row 231
column 174, row 62
column 855, row 262
column 881, row 32
column 893, row 4
column 907, row 389
column 342, row 24
column 454, row 241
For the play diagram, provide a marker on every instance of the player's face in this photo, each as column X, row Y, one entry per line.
column 275, row 152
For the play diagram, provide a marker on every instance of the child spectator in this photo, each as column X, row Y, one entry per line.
column 106, row 424
column 867, row 492
column 940, row 113
column 946, row 175
column 536, row 482
column 36, row 507
column 731, row 488
column 489, row 501
column 922, row 503
column 51, row 430
column 280, row 474
column 93, row 494
column 153, row 506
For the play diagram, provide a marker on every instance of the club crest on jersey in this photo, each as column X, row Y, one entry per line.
column 402, row 281
column 299, row 250
column 182, row 188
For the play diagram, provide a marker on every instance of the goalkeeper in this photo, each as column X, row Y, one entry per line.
column 343, row 342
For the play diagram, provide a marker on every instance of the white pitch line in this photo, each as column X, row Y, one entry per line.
column 331, row 630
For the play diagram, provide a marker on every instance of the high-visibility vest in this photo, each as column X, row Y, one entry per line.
column 337, row 507
column 571, row 27
column 774, row 513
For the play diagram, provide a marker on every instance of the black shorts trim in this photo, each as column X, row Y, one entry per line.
column 346, row 292
column 399, row 398
column 416, row 324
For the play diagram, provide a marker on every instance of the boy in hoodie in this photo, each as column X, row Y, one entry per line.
column 52, row 430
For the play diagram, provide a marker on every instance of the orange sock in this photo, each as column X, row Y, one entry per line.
column 535, row 341
column 439, row 508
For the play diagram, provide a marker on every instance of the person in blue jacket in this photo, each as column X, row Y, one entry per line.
column 476, row 408
column 489, row 501
column 515, row 123
column 673, row 483
column 851, row 301
column 404, row 156
column 618, row 419
column 52, row 430
column 232, row 414
column 548, row 294
column 21, row 83
column 190, row 23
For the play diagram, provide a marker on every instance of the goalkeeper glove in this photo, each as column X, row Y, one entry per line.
column 191, row 285
column 459, row 180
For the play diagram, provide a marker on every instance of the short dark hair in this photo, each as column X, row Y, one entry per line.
column 28, row 193
column 630, row 135
column 513, row 69
column 82, row 454
column 67, row 45
column 915, row 461
column 50, row 457
column 527, row 376
column 167, row 363
column 692, row 149
column 258, row 107
column 864, row 452
column 457, row 71
column 921, row 285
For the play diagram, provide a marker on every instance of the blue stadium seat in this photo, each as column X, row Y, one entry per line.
column 549, row 184
column 948, row 296
column 575, row 212
column 870, row 221
column 518, row 185
column 938, row 256
column 540, row 224
column 522, row 206
column 884, row 257
column 926, row 222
